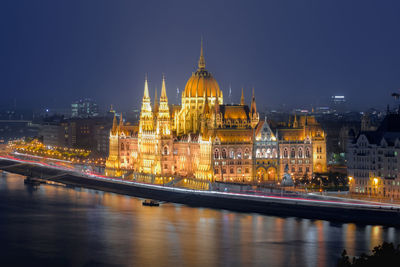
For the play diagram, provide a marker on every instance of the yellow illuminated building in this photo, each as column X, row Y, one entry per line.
column 203, row 138
column 302, row 146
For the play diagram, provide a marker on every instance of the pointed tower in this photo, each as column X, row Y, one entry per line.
column 113, row 162
column 163, row 117
column 115, row 125
column 242, row 99
column 295, row 123
column 146, row 114
column 202, row 61
column 253, row 103
column 253, row 112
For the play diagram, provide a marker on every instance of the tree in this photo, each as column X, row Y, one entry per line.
column 383, row 255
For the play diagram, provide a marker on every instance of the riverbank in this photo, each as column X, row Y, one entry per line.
column 339, row 211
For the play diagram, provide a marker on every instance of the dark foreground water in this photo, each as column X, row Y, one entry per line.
column 59, row 226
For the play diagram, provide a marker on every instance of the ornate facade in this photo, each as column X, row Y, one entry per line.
column 266, row 154
column 302, row 146
column 203, row 138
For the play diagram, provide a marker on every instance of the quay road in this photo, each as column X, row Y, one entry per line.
column 332, row 209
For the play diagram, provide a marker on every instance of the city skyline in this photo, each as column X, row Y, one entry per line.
column 277, row 48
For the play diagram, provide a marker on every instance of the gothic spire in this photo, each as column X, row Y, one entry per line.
column 202, row 62
column 253, row 104
column 163, row 90
column 114, row 127
column 146, row 89
column 295, row 124
column 242, row 98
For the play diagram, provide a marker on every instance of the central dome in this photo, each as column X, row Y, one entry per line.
column 202, row 83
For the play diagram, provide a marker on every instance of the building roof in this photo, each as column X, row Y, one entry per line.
column 389, row 129
column 235, row 112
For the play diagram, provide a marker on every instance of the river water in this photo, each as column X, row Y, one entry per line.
column 59, row 226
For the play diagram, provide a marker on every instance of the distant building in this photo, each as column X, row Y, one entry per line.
column 322, row 110
column 338, row 102
column 84, row 108
column 374, row 159
column 83, row 133
column 101, row 137
column 338, row 99
column 52, row 134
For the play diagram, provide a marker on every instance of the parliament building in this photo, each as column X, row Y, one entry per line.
column 206, row 140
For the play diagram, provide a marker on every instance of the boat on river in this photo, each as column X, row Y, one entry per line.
column 151, row 203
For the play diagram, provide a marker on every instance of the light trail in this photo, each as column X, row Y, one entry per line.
column 338, row 203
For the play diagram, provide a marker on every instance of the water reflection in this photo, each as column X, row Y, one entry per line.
column 55, row 225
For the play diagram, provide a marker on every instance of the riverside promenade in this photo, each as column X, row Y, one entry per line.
column 331, row 209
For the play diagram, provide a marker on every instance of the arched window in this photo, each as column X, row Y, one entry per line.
column 263, row 152
column 285, row 153
column 300, row 152
column 308, row 153
column 166, row 150
column 268, row 155
column 224, row 153
column 216, row 154
column 239, row 154
column 122, row 146
column 293, row 153
column 258, row 153
column 274, row 154
column 232, row 154
column 246, row 153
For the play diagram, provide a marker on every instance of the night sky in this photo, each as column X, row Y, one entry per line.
column 297, row 53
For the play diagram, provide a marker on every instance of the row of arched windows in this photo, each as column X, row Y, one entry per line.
column 223, row 154
column 266, row 153
column 299, row 153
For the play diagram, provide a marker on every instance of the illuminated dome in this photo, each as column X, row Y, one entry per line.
column 202, row 81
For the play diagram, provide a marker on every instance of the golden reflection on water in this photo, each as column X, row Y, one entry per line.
column 172, row 234
column 376, row 236
column 321, row 235
column 349, row 237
